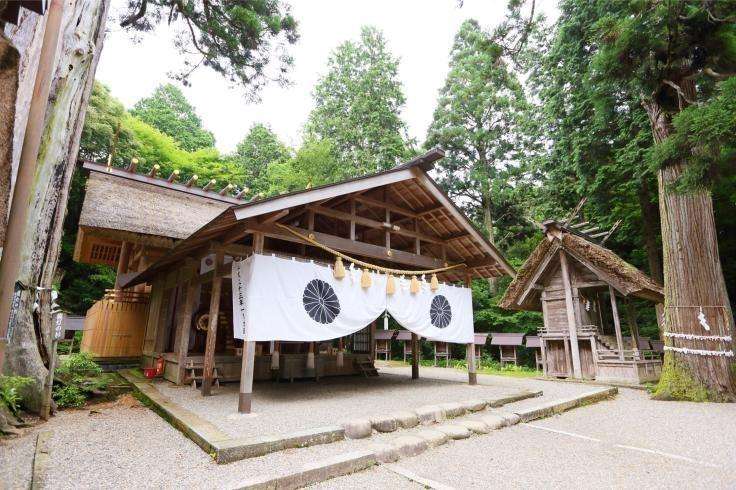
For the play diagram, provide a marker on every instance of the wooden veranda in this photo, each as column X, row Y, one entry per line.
column 396, row 218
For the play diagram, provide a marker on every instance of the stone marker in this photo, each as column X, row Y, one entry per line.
column 474, row 405
column 433, row 437
column 452, row 409
column 385, row 423
column 493, row 421
column 358, row 429
column 474, row 426
column 454, row 431
column 429, row 414
column 409, row 445
column 406, row 419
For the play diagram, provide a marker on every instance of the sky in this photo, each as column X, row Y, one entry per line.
column 419, row 32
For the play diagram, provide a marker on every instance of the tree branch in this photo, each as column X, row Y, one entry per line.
column 135, row 17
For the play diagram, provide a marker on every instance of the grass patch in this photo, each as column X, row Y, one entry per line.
column 487, row 366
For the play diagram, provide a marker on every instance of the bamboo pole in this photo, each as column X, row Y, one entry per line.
column 12, row 248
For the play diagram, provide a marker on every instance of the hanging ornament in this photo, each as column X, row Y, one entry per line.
column 434, row 284
column 414, row 286
column 339, row 271
column 275, row 360
column 365, row 279
column 385, row 320
column 390, row 285
column 703, row 321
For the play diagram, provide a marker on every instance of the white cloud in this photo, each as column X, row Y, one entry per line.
column 420, row 32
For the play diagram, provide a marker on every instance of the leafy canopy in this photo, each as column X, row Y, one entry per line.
column 171, row 113
column 358, row 105
column 259, row 150
column 236, row 38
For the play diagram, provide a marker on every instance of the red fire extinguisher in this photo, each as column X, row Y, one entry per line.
column 159, row 366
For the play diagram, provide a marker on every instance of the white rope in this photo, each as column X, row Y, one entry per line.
column 687, row 336
column 699, row 352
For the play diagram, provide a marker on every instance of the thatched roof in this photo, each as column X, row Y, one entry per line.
column 609, row 267
column 116, row 203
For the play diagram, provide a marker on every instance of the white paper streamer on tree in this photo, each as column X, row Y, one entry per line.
column 699, row 352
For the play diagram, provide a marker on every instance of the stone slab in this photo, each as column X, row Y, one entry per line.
column 406, row 419
column 454, row 431
column 475, row 426
column 358, row 429
column 408, row 446
column 433, row 437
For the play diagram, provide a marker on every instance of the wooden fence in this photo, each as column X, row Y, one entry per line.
column 115, row 325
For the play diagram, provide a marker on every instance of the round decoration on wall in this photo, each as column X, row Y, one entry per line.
column 440, row 312
column 320, row 301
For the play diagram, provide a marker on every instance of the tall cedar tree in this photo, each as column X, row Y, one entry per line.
column 672, row 54
column 256, row 152
column 476, row 121
column 358, row 105
column 598, row 138
column 236, row 38
column 171, row 113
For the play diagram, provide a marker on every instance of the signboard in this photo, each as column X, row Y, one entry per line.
column 13, row 311
column 58, row 326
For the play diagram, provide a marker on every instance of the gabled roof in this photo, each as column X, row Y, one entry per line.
column 507, row 338
column 609, row 267
column 411, row 195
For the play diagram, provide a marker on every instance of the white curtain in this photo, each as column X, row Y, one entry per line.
column 291, row 300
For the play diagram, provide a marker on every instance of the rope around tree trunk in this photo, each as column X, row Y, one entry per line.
column 310, row 239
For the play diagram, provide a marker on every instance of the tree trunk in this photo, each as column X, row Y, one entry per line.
column 693, row 278
column 488, row 224
column 83, row 29
column 650, row 227
column 9, row 63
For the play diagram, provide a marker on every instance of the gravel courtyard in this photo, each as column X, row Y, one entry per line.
column 284, row 407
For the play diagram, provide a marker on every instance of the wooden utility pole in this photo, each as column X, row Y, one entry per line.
column 12, row 248
column 214, row 317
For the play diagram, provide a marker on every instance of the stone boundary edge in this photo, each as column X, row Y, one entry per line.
column 348, row 463
column 221, row 446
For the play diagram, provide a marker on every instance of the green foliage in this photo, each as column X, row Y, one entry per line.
column 237, row 39
column 678, row 383
column 78, row 366
column 357, row 107
column 171, row 113
column 11, row 391
column 77, row 378
column 477, row 121
column 256, row 153
column 314, row 163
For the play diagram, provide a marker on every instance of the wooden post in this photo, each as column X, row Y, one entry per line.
column 185, row 325
column 568, row 363
column 571, row 323
column 122, row 262
column 470, row 351
column 633, row 326
column 414, row 356
column 352, row 220
column 373, row 340
column 616, row 323
column 214, row 316
column 245, row 397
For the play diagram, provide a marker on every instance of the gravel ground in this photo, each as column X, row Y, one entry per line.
column 628, row 442
column 287, row 407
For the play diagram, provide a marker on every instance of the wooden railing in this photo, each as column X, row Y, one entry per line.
column 628, row 355
column 115, row 325
column 582, row 329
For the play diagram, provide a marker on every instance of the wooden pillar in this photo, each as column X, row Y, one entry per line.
column 616, row 323
column 568, row 363
column 571, row 323
column 470, row 355
column 373, row 340
column 633, row 326
column 214, row 316
column 184, row 327
column 245, row 396
column 414, row 356
column 122, row 262
column 543, row 349
column 470, row 348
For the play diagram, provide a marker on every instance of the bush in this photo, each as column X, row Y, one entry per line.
column 76, row 379
column 11, row 391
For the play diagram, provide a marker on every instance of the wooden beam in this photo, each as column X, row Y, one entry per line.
column 616, row 324
column 348, row 246
column 122, row 262
column 184, row 327
column 214, row 316
column 386, row 205
column 270, row 218
column 352, row 219
column 571, row 323
column 247, row 369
